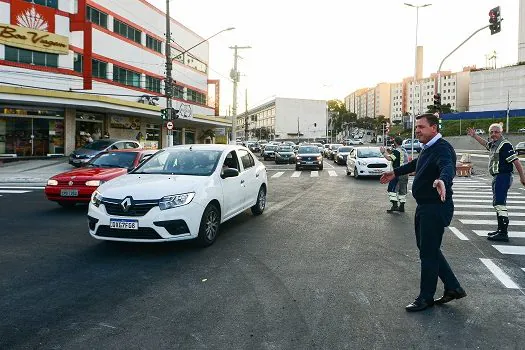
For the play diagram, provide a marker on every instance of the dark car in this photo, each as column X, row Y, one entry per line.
column 269, row 152
column 520, row 148
column 81, row 156
column 284, row 154
column 342, row 155
column 308, row 157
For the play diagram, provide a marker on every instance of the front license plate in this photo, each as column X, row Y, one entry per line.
column 69, row 193
column 377, row 171
column 309, row 162
column 124, row 224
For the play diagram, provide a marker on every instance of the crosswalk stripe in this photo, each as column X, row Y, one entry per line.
column 296, row 174
column 510, row 249
column 490, row 222
column 460, row 235
column 13, row 191
column 332, row 173
column 484, row 196
column 278, row 174
column 466, row 187
column 487, row 206
column 465, row 200
column 499, row 274
column 314, row 173
column 485, row 192
column 23, row 188
column 484, row 213
column 512, row 234
column 523, row 268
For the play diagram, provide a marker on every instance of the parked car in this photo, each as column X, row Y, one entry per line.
column 181, row 193
column 285, row 154
column 366, row 161
column 407, row 145
column 522, row 130
column 342, row 154
column 77, row 186
column 308, row 157
column 480, row 131
column 269, row 152
column 520, row 148
column 81, row 156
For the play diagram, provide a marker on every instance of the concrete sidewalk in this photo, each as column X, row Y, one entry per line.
column 32, row 172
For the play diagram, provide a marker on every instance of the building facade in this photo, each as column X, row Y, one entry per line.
column 284, row 119
column 73, row 68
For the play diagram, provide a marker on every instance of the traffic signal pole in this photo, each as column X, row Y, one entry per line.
column 168, row 85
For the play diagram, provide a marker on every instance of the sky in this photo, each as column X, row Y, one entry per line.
column 328, row 49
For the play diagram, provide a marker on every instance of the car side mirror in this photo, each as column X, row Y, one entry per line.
column 229, row 172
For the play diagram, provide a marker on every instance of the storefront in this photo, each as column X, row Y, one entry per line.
column 89, row 127
column 31, row 131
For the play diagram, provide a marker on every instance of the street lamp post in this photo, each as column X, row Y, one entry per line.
column 417, row 7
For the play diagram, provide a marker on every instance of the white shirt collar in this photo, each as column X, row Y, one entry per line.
column 433, row 141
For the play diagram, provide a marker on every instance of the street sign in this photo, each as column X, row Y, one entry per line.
column 169, row 125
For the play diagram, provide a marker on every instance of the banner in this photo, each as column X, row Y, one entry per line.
column 32, row 39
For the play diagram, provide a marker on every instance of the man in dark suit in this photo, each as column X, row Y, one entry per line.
column 432, row 189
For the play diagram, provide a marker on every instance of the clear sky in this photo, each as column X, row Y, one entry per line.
column 327, row 49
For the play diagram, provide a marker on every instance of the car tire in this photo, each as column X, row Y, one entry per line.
column 356, row 173
column 259, row 206
column 67, row 204
column 348, row 173
column 209, row 227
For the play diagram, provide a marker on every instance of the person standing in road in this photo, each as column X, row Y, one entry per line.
column 432, row 190
column 397, row 187
column 501, row 159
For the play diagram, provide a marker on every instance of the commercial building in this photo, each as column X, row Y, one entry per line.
column 73, row 68
column 284, row 119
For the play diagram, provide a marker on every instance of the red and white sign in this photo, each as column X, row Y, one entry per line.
column 29, row 15
column 169, row 125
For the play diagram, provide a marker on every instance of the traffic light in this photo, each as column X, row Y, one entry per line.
column 168, row 113
column 437, row 101
column 164, row 113
column 440, row 123
column 495, row 20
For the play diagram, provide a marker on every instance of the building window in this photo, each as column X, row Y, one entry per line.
column 78, row 61
column 97, row 17
column 99, row 68
column 196, row 96
column 48, row 3
column 126, row 77
column 37, row 58
column 154, row 44
column 127, row 31
column 152, row 84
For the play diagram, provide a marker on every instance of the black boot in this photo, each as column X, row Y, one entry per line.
column 502, row 235
column 393, row 208
column 401, row 207
column 499, row 227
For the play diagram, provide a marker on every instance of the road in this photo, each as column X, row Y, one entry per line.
column 323, row 268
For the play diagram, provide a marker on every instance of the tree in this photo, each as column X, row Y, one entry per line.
column 446, row 108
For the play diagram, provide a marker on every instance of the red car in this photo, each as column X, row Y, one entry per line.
column 76, row 186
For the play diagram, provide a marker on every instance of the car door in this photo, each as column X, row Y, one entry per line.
column 250, row 178
column 232, row 187
column 351, row 160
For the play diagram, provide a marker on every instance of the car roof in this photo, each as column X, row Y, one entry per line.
column 208, row 147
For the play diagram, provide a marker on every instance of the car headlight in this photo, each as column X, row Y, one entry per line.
column 96, row 198
column 361, row 162
column 176, row 200
column 319, row 157
column 298, row 157
column 94, row 183
column 52, row 182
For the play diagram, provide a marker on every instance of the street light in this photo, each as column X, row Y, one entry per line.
column 203, row 41
column 417, row 7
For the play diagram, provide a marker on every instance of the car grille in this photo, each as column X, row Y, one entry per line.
column 375, row 166
column 141, row 233
column 136, row 209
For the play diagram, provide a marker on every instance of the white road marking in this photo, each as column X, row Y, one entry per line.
column 487, row 192
column 510, row 249
column 460, row 235
column 13, row 191
column 484, row 196
column 512, row 234
column 461, row 200
column 523, row 268
column 490, row 222
column 483, row 213
column 332, row 173
column 279, row 174
column 296, row 174
column 499, row 274
column 486, row 206
column 23, row 188
column 471, row 186
column 314, row 173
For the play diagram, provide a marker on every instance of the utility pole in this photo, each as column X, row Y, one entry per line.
column 168, row 84
column 235, row 75
column 246, row 118
column 508, row 111
column 297, row 130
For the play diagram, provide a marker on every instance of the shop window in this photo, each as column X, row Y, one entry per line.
column 48, row 3
column 15, row 54
column 97, row 17
column 126, row 77
column 127, row 31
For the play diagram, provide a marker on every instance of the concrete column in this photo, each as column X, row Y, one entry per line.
column 163, row 142
column 521, row 32
column 70, row 129
column 183, row 136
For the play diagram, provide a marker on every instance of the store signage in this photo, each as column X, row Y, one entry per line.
column 29, row 15
column 32, row 39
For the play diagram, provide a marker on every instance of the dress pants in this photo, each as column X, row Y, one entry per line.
column 430, row 222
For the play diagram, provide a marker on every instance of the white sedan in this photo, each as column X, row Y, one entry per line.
column 180, row 193
column 366, row 161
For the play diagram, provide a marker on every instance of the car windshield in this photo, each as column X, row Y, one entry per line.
column 98, row 145
column 521, row 144
column 308, row 149
column 270, row 148
column 344, row 149
column 284, row 149
column 369, row 153
column 181, row 161
column 334, row 147
column 114, row 160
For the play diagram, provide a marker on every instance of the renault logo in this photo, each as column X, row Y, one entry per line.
column 126, row 204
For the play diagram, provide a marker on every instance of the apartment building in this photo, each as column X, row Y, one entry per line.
column 370, row 102
column 397, row 93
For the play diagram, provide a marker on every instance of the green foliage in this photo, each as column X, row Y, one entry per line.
column 452, row 127
column 446, row 108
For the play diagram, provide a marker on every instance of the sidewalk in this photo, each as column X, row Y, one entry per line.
column 32, row 172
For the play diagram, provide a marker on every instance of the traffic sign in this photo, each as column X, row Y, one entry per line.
column 169, row 125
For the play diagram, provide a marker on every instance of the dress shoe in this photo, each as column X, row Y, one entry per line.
column 500, row 237
column 419, row 305
column 450, row 295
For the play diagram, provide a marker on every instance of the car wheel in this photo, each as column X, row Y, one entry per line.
column 259, row 206
column 67, row 204
column 209, row 227
column 356, row 174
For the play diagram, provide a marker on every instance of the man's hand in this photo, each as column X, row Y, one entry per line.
column 471, row 132
column 382, row 149
column 439, row 185
column 387, row 177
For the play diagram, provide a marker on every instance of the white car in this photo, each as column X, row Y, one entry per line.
column 354, row 142
column 366, row 161
column 180, row 193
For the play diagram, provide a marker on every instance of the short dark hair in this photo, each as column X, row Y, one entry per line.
column 398, row 140
column 432, row 119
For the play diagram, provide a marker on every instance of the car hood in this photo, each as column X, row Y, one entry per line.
column 286, row 153
column 85, row 151
column 376, row 160
column 343, row 153
column 151, row 186
column 308, row 155
column 91, row 174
